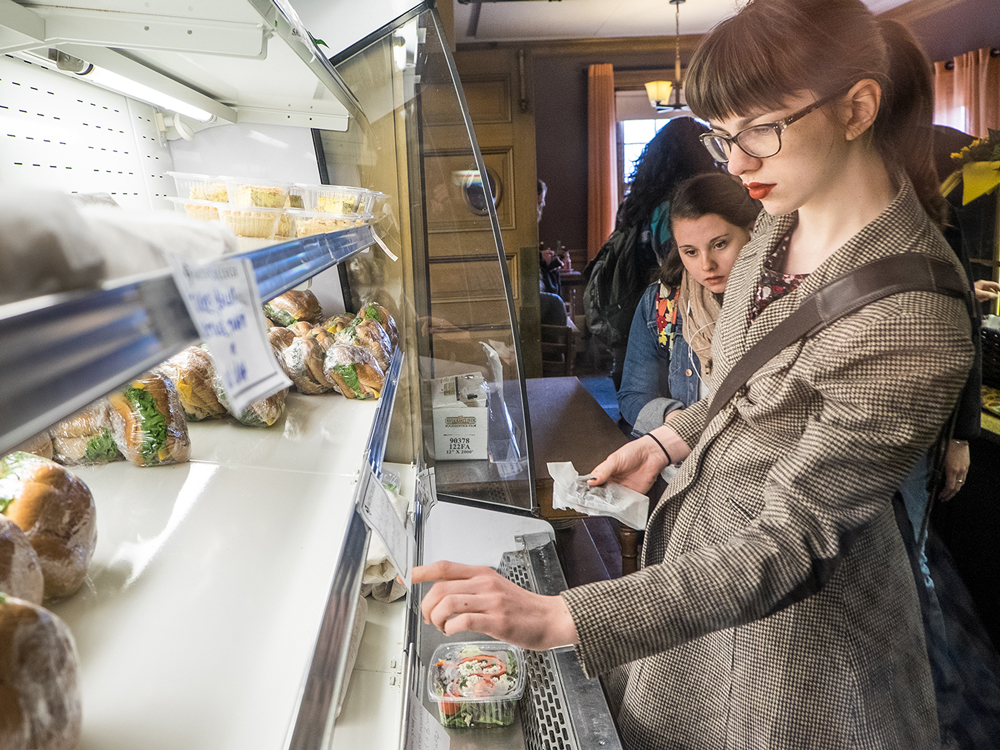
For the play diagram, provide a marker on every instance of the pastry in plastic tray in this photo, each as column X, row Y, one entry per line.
column 476, row 683
column 369, row 335
column 289, row 308
column 200, row 187
column 148, row 422
column 86, row 437
column 20, row 570
column 331, row 199
column 251, row 221
column 56, row 512
column 258, row 193
column 308, row 223
column 354, row 371
column 191, row 372
column 40, row 708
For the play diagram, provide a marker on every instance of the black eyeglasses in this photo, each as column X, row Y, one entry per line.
column 759, row 141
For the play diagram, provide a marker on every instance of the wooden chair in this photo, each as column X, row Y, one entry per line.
column 558, row 350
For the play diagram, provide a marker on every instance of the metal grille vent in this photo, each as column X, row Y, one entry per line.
column 544, row 717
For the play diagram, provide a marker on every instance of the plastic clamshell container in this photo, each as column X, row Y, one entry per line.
column 307, row 223
column 258, row 193
column 333, row 199
column 468, row 709
column 200, row 187
column 245, row 221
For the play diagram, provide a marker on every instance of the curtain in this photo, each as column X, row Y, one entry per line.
column 602, row 203
column 967, row 97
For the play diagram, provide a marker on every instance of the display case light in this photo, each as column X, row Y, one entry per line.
column 110, row 80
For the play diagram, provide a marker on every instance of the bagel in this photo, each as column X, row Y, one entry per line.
column 56, row 512
column 39, row 695
column 148, row 422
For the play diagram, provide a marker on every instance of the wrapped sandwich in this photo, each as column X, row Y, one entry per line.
column 280, row 339
column 369, row 335
column 56, row 512
column 291, row 307
column 86, row 437
column 263, row 412
column 354, row 371
column 302, row 328
column 191, row 372
column 325, row 339
column 148, row 422
column 20, row 569
column 337, row 323
column 40, row 705
column 304, row 359
column 40, row 444
column 375, row 311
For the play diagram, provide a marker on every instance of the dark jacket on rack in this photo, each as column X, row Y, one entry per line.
column 776, row 607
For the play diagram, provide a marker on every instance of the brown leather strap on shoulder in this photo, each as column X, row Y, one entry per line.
column 906, row 272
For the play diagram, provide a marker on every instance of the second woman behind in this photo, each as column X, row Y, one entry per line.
column 669, row 355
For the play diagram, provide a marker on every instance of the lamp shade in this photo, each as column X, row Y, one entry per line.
column 658, row 92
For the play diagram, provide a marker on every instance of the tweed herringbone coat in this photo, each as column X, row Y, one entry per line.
column 776, row 607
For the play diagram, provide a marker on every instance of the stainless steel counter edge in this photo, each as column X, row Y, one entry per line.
column 312, row 726
column 60, row 352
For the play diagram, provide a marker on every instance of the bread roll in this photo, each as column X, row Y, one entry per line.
column 191, row 372
column 55, row 510
column 148, row 422
column 354, row 371
column 302, row 328
column 369, row 335
column 280, row 338
column 291, row 307
column 40, row 445
column 20, row 571
column 86, row 437
column 324, row 339
column 39, row 697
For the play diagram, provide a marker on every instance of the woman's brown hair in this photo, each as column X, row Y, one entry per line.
column 706, row 194
column 773, row 49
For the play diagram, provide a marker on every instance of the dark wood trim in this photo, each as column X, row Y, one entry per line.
column 561, row 47
column 918, row 9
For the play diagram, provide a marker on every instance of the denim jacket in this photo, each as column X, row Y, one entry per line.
column 659, row 377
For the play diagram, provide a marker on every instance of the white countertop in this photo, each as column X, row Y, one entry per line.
column 204, row 598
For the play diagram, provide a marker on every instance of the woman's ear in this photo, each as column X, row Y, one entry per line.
column 860, row 107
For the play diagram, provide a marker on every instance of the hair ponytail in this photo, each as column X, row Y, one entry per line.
column 903, row 132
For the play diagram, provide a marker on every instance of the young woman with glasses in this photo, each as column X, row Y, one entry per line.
column 776, row 607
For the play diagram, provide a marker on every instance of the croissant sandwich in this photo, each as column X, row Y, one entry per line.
column 354, row 371
column 20, row 569
column 148, row 422
column 289, row 308
column 56, row 512
column 369, row 335
column 86, row 437
column 304, row 363
column 375, row 311
column 191, row 372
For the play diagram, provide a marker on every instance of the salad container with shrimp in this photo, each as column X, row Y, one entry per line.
column 476, row 683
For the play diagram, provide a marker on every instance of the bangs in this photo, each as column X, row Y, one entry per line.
column 745, row 67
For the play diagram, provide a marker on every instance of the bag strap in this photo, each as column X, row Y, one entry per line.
column 905, row 272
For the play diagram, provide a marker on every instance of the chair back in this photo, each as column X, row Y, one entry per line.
column 558, row 351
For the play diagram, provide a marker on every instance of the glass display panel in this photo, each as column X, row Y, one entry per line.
column 451, row 286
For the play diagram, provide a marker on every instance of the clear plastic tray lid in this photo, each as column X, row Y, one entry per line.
column 456, row 669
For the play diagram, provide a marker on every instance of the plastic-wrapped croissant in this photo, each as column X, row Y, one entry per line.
column 354, row 371
column 289, row 308
column 375, row 311
column 369, row 335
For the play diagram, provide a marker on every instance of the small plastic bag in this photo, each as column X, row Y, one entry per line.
column 570, row 491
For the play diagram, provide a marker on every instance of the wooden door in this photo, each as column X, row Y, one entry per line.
column 460, row 243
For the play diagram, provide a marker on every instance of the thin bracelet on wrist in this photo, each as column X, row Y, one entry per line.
column 669, row 459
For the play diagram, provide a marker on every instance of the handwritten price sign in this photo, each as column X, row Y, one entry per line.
column 224, row 303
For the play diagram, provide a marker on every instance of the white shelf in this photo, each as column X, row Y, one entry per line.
column 210, row 581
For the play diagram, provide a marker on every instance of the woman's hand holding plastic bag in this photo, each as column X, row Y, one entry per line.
column 637, row 464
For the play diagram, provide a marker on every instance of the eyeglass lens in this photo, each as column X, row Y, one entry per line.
column 759, row 142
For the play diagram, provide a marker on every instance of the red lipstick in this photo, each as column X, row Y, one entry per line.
column 760, row 190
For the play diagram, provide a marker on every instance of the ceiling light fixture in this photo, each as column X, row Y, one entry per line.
column 659, row 92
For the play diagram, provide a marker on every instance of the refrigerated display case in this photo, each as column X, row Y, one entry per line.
column 219, row 605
